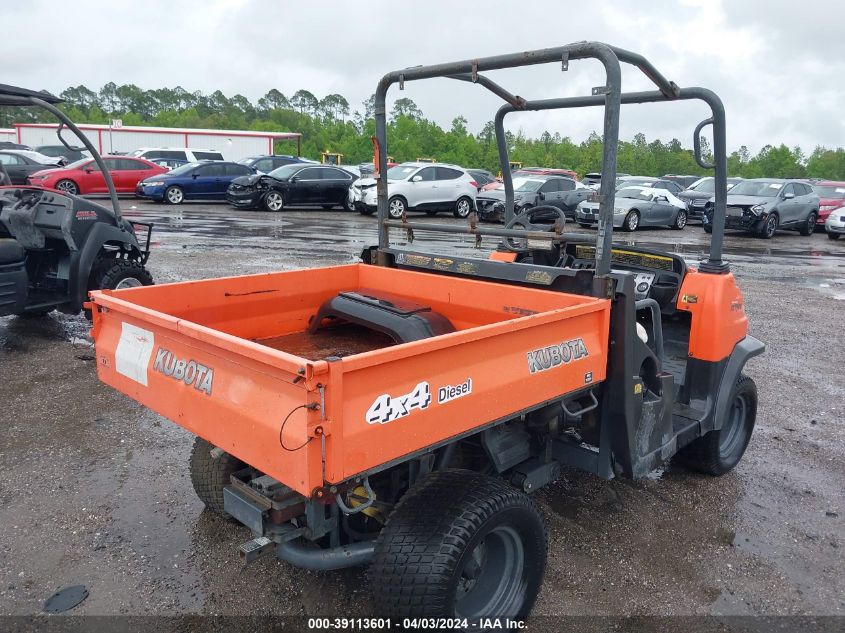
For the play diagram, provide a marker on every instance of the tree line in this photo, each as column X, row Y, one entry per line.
column 331, row 124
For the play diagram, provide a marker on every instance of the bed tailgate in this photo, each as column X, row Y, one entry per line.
column 234, row 393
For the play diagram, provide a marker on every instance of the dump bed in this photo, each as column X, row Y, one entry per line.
column 210, row 356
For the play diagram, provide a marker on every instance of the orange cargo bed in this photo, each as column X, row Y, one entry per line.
column 216, row 357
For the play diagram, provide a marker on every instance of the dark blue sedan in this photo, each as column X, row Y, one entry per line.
column 195, row 181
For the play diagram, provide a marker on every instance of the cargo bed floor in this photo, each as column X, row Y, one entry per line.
column 341, row 340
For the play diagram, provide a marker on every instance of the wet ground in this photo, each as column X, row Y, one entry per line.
column 95, row 489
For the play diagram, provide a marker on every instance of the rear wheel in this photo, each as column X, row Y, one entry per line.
column 632, row 221
column 460, row 544
column 67, row 186
column 680, row 220
column 708, row 228
column 210, row 473
column 365, row 210
column 833, row 236
column 174, row 195
column 770, row 227
column 719, row 451
column 273, row 201
column 463, row 207
column 809, row 225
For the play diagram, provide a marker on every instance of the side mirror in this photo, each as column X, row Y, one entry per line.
column 294, row 178
column 661, row 199
column 541, row 196
column 88, row 170
column 195, row 175
column 416, row 179
column 788, row 195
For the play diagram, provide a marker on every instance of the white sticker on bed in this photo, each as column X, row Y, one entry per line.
column 133, row 352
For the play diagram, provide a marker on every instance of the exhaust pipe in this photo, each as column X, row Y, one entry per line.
column 322, row 559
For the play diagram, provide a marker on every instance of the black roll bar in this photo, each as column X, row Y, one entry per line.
column 64, row 120
column 610, row 95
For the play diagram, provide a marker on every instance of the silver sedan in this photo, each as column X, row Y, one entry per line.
column 637, row 207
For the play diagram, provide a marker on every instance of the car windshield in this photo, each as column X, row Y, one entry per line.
column 246, row 161
column 38, row 157
column 705, row 185
column 526, row 184
column 633, row 193
column 137, row 152
column 78, row 163
column 830, row 191
column 761, row 188
column 182, row 169
column 401, row 172
column 633, row 181
column 285, row 171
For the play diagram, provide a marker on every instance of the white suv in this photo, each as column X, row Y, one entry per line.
column 419, row 187
column 188, row 154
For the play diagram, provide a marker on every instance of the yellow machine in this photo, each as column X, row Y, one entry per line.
column 426, row 160
column 331, row 158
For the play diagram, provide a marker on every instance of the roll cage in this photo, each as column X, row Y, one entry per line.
column 609, row 95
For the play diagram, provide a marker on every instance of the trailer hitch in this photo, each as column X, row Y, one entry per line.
column 371, row 497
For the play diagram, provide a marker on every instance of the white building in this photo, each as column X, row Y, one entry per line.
column 9, row 135
column 233, row 144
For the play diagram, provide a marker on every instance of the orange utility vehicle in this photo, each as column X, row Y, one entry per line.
column 398, row 412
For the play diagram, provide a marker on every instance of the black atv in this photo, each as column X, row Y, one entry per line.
column 55, row 247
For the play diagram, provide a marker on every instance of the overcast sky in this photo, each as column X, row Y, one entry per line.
column 777, row 64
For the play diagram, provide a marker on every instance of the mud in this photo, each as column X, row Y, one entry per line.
column 95, row 488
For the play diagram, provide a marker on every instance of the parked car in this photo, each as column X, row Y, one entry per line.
column 593, row 179
column 763, row 205
column 831, row 195
column 295, row 184
column 835, row 223
column 482, row 177
column 60, row 151
column 10, row 145
column 684, row 181
column 637, row 207
column 648, row 181
column 20, row 164
column 697, row 194
column 169, row 163
column 206, row 180
column 419, row 187
column 532, row 191
column 188, row 154
column 265, row 164
column 84, row 176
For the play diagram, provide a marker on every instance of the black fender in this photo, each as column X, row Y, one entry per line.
column 744, row 350
column 82, row 261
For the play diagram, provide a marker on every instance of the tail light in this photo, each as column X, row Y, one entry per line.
column 473, row 183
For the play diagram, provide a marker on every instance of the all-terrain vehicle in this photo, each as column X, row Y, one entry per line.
column 55, row 247
column 399, row 412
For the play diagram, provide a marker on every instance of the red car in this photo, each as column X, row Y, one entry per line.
column 831, row 196
column 84, row 176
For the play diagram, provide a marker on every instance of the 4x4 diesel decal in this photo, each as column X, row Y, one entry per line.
column 387, row 408
column 555, row 355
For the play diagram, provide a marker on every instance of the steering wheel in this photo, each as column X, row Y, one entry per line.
column 523, row 220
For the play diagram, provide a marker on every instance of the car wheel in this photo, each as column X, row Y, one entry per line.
column 174, row 195
column 365, row 211
column 680, row 220
column 632, row 221
column 396, row 207
column 810, row 225
column 770, row 227
column 463, row 207
column 67, row 186
column 462, row 545
column 833, row 236
column 708, row 229
column 345, row 204
column 584, row 226
column 273, row 201
column 210, row 473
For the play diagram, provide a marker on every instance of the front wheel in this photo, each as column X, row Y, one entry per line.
column 118, row 274
column 463, row 207
column 680, row 221
column 273, row 201
column 396, row 207
column 460, row 545
column 67, row 186
column 174, row 195
column 719, row 451
column 632, row 221
column 810, row 225
column 770, row 227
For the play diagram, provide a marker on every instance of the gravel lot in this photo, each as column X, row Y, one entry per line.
column 95, row 489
